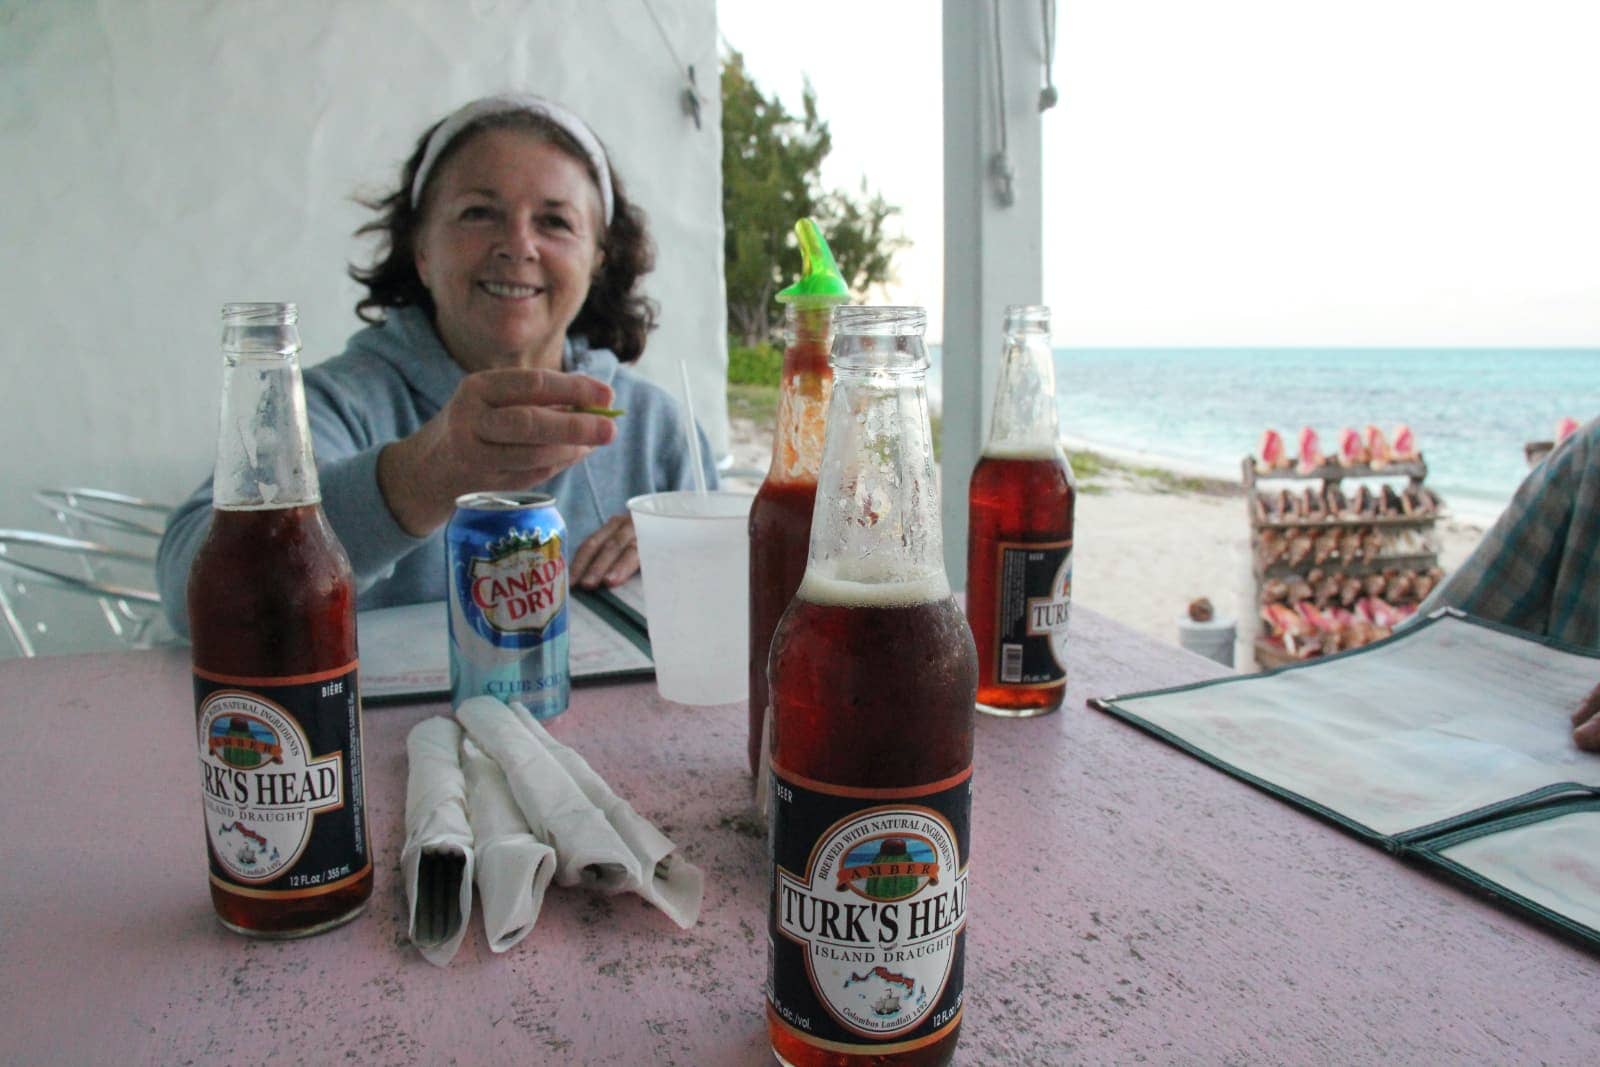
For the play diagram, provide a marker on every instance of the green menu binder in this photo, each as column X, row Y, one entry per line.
column 1448, row 743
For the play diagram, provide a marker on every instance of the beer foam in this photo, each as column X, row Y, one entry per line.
column 888, row 593
column 1023, row 450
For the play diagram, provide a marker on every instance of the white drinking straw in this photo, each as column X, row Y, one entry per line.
column 689, row 431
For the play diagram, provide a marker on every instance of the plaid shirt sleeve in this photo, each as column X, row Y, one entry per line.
column 1536, row 568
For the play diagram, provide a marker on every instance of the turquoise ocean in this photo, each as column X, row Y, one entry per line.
column 1203, row 409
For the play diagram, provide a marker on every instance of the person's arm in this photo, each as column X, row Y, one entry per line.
column 345, row 448
column 501, row 429
column 186, row 528
column 1510, row 576
column 1586, row 722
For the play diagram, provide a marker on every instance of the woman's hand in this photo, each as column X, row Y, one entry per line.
column 504, row 429
column 609, row 557
column 1586, row 722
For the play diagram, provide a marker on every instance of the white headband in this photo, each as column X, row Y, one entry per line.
column 575, row 127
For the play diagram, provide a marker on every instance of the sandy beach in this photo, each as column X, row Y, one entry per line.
column 1148, row 540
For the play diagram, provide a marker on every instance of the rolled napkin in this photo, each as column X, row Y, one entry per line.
column 437, row 860
column 514, row 868
column 588, row 850
column 672, row 883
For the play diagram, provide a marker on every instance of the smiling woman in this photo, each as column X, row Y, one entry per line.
column 504, row 302
column 508, row 247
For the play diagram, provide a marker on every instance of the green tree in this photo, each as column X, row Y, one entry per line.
column 771, row 177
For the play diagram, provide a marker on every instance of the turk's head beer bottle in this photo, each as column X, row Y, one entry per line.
column 780, row 515
column 873, row 676
column 1019, row 532
column 272, row 619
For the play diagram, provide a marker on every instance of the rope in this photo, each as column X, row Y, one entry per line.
column 1048, row 95
column 664, row 38
column 1000, row 78
column 689, row 98
column 1000, row 168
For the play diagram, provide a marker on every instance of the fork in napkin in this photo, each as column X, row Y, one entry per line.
column 437, row 860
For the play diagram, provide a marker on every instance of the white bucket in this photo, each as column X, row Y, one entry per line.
column 1213, row 639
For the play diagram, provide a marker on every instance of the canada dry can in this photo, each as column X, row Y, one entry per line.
column 508, row 601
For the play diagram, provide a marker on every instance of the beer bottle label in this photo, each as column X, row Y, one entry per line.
column 867, row 929
column 1033, row 598
column 280, row 767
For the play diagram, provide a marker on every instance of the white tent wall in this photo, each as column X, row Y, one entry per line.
column 161, row 157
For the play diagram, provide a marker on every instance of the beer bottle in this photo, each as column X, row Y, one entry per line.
column 780, row 515
column 1019, row 532
column 873, row 676
column 272, row 620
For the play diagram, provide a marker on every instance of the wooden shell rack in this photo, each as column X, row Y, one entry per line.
column 1401, row 541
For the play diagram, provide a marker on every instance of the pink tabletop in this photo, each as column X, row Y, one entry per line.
column 1127, row 903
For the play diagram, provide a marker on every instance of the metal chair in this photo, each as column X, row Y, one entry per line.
column 106, row 522
column 79, row 509
column 129, row 610
column 108, row 553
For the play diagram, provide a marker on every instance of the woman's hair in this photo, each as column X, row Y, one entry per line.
column 614, row 315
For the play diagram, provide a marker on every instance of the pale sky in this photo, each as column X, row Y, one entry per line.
column 1361, row 172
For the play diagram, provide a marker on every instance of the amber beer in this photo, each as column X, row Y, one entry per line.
column 873, row 675
column 1019, row 526
column 271, row 602
column 780, row 515
column 1020, row 504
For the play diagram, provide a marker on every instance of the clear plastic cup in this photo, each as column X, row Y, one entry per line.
column 694, row 551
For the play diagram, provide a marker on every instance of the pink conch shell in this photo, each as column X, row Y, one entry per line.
column 1378, row 453
column 1271, row 452
column 1566, row 426
column 1310, row 451
column 1352, row 453
column 1286, row 621
column 1309, row 612
column 1378, row 611
column 1405, row 443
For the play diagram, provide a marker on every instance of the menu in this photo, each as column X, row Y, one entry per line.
column 405, row 651
column 1449, row 743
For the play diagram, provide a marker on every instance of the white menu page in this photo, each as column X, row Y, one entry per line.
column 405, row 651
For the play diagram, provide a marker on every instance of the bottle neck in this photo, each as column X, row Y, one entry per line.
column 803, row 391
column 808, row 326
column 1024, row 422
column 263, row 443
column 876, row 528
